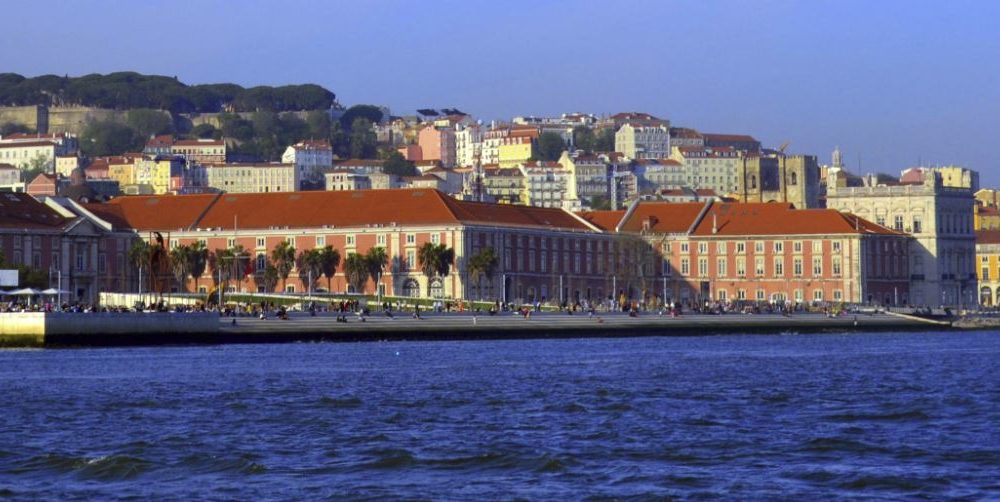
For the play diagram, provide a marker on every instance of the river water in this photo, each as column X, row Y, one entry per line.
column 853, row 415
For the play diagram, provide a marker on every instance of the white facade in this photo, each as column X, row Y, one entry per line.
column 468, row 144
column 246, row 178
column 309, row 157
column 638, row 141
column 942, row 253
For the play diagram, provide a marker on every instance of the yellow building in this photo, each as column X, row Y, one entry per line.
column 986, row 218
column 516, row 150
column 162, row 174
column 988, row 269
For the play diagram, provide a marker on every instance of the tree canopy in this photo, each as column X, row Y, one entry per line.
column 127, row 90
column 550, row 146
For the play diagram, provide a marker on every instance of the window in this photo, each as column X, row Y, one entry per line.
column 741, row 247
column 759, row 266
column 174, row 243
column 779, row 247
column 720, row 268
column 720, row 248
column 797, row 267
column 203, row 242
column 230, row 243
column 798, row 295
column 797, row 247
column 261, row 242
column 721, row 295
column 741, row 294
column 350, row 239
column 817, row 266
column 684, row 247
column 702, row 248
column 836, row 246
column 411, row 238
column 836, row 266
column 817, row 247
column 818, row 295
column 838, row 295
column 290, row 288
column 917, row 223
column 758, row 247
column 685, row 266
column 898, row 223
column 741, row 266
column 320, row 241
column 880, row 219
column 702, row 267
column 435, row 238
column 779, row 266
column 411, row 259
column 760, row 295
column 380, row 240
column 261, row 262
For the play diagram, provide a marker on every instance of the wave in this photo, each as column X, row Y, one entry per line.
column 246, row 463
column 347, row 402
column 892, row 416
column 105, row 468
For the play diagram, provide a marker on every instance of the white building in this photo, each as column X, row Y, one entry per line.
column 310, row 158
column 942, row 253
column 253, row 177
column 468, row 144
column 715, row 168
column 547, row 184
column 342, row 179
column 643, row 141
column 25, row 151
column 10, row 179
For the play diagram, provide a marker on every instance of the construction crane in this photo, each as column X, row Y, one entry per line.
column 783, row 147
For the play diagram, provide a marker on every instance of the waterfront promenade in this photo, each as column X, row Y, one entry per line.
column 438, row 326
column 131, row 328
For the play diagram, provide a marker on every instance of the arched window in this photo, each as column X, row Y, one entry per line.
column 794, row 178
column 753, row 181
column 411, row 288
column 437, row 288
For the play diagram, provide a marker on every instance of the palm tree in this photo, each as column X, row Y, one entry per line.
column 270, row 277
column 139, row 255
column 376, row 259
column 198, row 258
column 310, row 265
column 356, row 271
column 220, row 261
column 331, row 260
column 483, row 263
column 180, row 265
column 283, row 257
column 435, row 261
column 428, row 257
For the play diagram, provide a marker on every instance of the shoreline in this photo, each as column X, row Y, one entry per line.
column 302, row 327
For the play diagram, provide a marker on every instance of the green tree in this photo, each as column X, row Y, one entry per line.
column 146, row 122
column 206, row 131
column 139, row 255
column 363, row 140
column 435, row 260
column 604, row 140
column 198, row 257
column 310, row 265
column 180, row 265
column 371, row 113
column 14, row 127
column 318, row 123
column 583, row 138
column 550, row 146
column 103, row 138
column 356, row 271
column 600, row 203
column 339, row 141
column 270, row 277
column 483, row 264
column 398, row 165
column 330, row 260
column 236, row 127
column 376, row 258
column 283, row 257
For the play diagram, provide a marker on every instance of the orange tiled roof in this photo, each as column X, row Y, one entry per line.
column 664, row 217
column 320, row 208
column 605, row 220
column 772, row 218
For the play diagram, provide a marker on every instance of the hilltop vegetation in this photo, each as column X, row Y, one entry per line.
column 130, row 90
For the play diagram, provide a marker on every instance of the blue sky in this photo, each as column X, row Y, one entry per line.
column 890, row 82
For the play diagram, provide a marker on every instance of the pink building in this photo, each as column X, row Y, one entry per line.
column 437, row 143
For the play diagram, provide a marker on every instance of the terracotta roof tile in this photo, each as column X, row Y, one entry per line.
column 605, row 220
column 22, row 211
column 988, row 237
